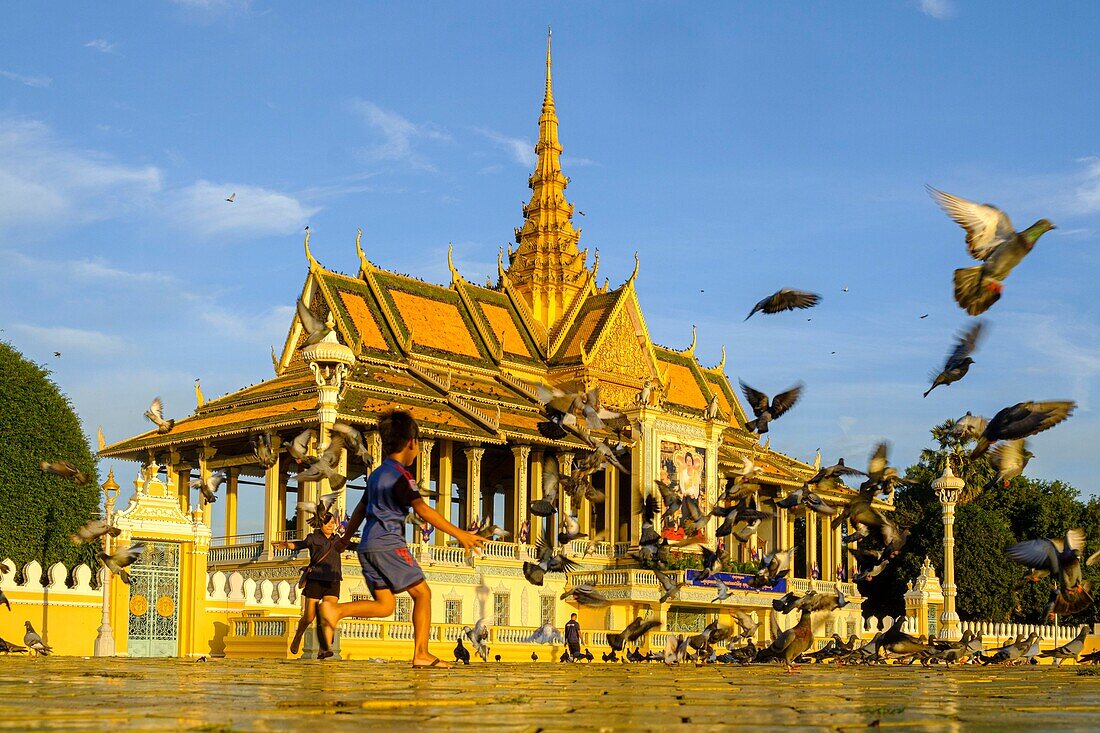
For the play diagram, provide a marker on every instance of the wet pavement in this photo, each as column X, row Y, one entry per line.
column 262, row 695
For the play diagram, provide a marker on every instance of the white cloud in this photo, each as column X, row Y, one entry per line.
column 63, row 339
column 521, row 150
column 255, row 211
column 270, row 326
column 398, row 135
column 45, row 181
column 86, row 271
column 1087, row 194
column 102, row 45
column 938, row 9
column 39, row 82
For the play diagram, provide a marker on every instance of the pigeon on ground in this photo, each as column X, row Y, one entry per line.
column 93, row 530
column 897, row 642
column 478, row 636
column 208, row 486
column 788, row 645
column 991, row 239
column 34, row 642
column 122, row 558
column 635, row 630
column 1022, row 420
column 958, row 361
column 155, row 413
column 462, row 654
column 9, row 648
column 64, row 469
column 785, row 300
column 767, row 410
column 1070, row 650
column 316, row 329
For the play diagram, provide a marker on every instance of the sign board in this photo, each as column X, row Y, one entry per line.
column 733, row 581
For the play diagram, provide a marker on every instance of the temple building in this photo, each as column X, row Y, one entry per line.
column 464, row 359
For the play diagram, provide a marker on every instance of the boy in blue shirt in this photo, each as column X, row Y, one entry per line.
column 388, row 565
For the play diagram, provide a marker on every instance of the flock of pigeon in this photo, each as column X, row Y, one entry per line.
column 875, row 539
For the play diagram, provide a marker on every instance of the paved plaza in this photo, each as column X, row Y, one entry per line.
column 221, row 695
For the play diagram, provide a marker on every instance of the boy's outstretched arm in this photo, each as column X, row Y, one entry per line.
column 468, row 540
column 354, row 521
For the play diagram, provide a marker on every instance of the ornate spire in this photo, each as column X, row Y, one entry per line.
column 547, row 268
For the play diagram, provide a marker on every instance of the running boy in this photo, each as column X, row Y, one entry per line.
column 388, row 565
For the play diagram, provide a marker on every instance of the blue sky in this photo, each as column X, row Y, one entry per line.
column 738, row 148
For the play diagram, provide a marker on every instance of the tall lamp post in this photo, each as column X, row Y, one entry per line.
column 947, row 488
column 105, row 642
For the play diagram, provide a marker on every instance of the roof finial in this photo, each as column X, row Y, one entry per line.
column 722, row 364
column 451, row 263
column 691, row 349
column 634, row 275
column 309, row 255
column 549, row 99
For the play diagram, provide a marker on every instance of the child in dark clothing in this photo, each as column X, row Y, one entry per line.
column 388, row 565
column 322, row 576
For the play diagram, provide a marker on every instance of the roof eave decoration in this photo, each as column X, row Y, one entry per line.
column 538, row 334
column 493, row 344
column 367, row 269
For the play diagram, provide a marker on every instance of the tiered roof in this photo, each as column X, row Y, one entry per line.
column 462, row 358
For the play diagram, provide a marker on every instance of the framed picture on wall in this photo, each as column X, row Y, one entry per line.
column 683, row 467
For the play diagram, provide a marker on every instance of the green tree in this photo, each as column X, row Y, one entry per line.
column 40, row 511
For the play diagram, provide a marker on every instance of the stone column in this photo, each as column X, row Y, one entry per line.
column 329, row 360
column 105, row 640
column 443, row 504
column 424, row 463
column 811, row 542
column 272, row 480
column 231, row 487
column 565, row 468
column 611, row 503
column 947, row 488
column 473, row 483
column 522, row 455
column 536, row 523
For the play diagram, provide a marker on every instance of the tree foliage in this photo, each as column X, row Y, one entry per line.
column 990, row 517
column 39, row 511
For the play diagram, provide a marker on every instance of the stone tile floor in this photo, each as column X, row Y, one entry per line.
column 262, row 695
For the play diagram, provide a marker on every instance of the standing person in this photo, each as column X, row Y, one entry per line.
column 573, row 636
column 322, row 576
column 388, row 565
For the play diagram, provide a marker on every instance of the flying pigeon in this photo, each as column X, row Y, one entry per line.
column 990, row 238
column 767, row 410
column 64, row 469
column 785, row 300
column 316, row 329
column 93, row 530
column 1022, row 420
column 155, row 413
column 958, row 361
column 208, row 486
column 121, row 559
